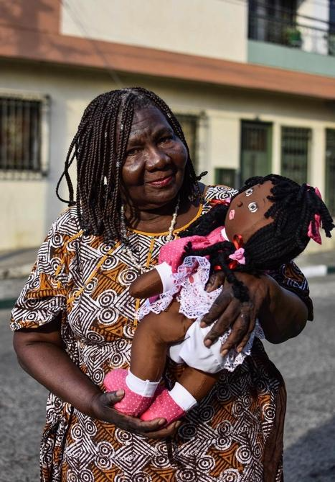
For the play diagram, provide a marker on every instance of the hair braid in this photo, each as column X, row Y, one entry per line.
column 99, row 146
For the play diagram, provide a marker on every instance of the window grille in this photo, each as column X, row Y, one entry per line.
column 295, row 152
column 189, row 124
column 256, row 149
column 280, row 23
column 22, row 137
column 330, row 170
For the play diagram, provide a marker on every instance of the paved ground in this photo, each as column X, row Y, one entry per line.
column 306, row 363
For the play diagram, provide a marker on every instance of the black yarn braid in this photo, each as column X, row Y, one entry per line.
column 99, row 146
column 293, row 209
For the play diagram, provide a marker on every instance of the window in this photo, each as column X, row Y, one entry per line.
column 22, row 136
column 330, row 170
column 256, row 149
column 295, row 152
column 189, row 124
column 226, row 177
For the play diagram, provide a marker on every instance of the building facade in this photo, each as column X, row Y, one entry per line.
column 252, row 83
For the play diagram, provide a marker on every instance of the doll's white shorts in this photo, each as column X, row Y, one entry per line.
column 194, row 353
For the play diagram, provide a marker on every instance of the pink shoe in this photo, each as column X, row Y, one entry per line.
column 163, row 407
column 132, row 404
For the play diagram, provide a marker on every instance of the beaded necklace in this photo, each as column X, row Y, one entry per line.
column 130, row 252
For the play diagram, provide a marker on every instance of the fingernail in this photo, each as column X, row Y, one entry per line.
column 208, row 343
column 162, row 421
column 120, row 393
column 224, row 352
column 202, row 324
column 239, row 349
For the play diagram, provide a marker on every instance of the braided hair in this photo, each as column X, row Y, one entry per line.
column 293, row 209
column 99, row 146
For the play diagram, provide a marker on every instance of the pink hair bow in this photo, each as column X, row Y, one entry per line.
column 314, row 226
column 238, row 255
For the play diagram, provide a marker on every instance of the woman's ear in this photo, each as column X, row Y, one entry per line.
column 147, row 285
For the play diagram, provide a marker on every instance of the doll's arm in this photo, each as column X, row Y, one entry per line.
column 154, row 282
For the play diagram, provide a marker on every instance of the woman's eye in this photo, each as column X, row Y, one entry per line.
column 253, row 207
column 249, row 191
column 132, row 152
column 166, row 139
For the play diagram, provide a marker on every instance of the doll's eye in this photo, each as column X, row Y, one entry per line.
column 253, row 207
column 249, row 191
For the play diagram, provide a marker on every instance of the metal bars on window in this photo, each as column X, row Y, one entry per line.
column 295, row 152
column 330, row 170
column 21, row 143
column 256, row 149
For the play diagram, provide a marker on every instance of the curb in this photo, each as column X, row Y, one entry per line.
column 317, row 270
column 16, row 272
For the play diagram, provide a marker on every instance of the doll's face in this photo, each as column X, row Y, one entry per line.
column 246, row 214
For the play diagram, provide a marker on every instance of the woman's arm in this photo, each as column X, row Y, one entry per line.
column 282, row 314
column 41, row 354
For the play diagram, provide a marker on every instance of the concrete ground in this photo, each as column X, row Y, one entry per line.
column 307, row 364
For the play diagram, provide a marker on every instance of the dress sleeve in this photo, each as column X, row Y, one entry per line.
column 290, row 277
column 44, row 295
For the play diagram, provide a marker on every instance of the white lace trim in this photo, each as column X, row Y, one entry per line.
column 189, row 284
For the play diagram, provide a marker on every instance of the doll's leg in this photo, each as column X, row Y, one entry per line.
column 192, row 387
column 153, row 336
column 148, row 356
column 198, row 383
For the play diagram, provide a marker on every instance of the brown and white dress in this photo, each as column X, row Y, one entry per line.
column 233, row 435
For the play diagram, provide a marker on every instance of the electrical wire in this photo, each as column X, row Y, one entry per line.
column 112, row 73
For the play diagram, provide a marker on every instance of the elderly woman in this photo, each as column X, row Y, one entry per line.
column 74, row 320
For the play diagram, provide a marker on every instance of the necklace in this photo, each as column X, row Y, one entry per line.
column 127, row 248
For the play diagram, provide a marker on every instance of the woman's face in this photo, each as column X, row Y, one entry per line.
column 155, row 161
column 246, row 214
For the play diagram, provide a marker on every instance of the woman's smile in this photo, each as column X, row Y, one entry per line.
column 162, row 181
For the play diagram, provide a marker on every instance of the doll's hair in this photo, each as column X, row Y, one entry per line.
column 293, row 208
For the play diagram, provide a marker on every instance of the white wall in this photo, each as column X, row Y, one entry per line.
column 198, row 27
column 29, row 207
column 318, row 11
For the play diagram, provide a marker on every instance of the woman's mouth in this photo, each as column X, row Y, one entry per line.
column 164, row 181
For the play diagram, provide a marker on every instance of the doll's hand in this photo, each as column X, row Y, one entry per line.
column 230, row 312
column 215, row 281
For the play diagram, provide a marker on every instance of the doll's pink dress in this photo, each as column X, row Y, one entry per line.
column 187, row 285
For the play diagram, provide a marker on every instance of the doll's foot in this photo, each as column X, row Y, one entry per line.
column 132, row 404
column 163, row 407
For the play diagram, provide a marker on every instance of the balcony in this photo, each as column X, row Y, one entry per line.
column 282, row 37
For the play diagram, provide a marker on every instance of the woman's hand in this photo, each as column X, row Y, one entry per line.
column 230, row 312
column 102, row 409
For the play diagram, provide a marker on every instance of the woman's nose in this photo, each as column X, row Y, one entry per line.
column 157, row 159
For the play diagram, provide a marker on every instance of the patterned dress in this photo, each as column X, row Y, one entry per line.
column 233, row 435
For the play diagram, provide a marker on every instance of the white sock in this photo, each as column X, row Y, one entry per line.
column 182, row 397
column 145, row 388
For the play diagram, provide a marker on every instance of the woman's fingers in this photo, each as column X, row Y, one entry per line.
column 216, row 280
column 219, row 306
column 165, row 432
column 224, row 322
column 241, row 330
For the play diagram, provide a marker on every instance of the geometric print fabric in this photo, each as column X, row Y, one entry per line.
column 233, row 435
